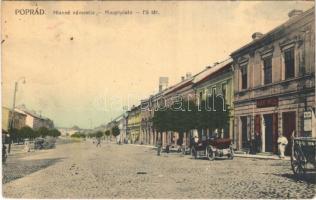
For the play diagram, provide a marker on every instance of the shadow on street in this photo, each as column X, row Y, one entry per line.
column 309, row 178
column 17, row 168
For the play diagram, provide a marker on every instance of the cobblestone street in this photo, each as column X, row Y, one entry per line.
column 81, row 170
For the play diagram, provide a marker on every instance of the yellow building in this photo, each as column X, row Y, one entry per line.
column 134, row 125
column 19, row 119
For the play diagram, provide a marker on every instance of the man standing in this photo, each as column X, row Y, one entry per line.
column 159, row 144
column 98, row 141
column 282, row 142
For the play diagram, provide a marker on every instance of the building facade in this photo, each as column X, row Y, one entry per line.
column 274, row 83
column 134, row 124
column 217, row 81
column 35, row 120
column 18, row 121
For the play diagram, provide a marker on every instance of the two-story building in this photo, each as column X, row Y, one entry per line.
column 18, row 121
column 134, row 124
column 274, row 82
column 217, row 81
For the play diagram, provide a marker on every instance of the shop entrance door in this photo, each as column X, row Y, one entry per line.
column 288, row 125
column 244, row 132
column 268, row 122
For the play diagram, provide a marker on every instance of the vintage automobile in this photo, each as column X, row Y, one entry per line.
column 212, row 148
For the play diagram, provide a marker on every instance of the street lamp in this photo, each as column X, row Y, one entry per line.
column 13, row 107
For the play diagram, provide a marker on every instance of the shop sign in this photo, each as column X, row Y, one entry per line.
column 307, row 121
column 269, row 102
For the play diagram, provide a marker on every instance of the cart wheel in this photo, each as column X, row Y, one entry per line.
column 210, row 154
column 231, row 155
column 194, row 153
column 298, row 163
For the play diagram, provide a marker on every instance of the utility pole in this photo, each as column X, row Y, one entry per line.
column 13, row 112
column 12, row 116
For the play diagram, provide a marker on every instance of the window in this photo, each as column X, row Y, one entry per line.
column 214, row 91
column 244, row 77
column 224, row 90
column 201, row 97
column 289, row 63
column 267, row 70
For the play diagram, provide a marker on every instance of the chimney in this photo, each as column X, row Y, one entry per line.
column 256, row 35
column 294, row 13
column 216, row 63
column 163, row 83
column 182, row 78
column 188, row 75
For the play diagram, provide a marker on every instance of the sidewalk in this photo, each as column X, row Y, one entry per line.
column 273, row 157
column 237, row 154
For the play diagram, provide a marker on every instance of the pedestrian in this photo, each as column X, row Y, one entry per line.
column 27, row 145
column 258, row 142
column 158, row 147
column 282, row 142
column 98, row 141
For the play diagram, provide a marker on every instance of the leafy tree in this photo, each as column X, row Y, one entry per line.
column 27, row 132
column 99, row 134
column 107, row 132
column 190, row 116
column 54, row 133
column 115, row 131
column 15, row 135
column 43, row 131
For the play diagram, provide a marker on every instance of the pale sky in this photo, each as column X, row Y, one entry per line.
column 86, row 81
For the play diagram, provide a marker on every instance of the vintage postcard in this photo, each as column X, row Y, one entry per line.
column 158, row 99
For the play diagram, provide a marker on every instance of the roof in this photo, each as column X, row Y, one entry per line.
column 31, row 113
column 288, row 23
column 178, row 86
column 209, row 71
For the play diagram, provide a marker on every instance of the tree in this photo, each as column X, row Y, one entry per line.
column 43, row 131
column 115, row 131
column 15, row 135
column 54, row 133
column 107, row 133
column 27, row 132
column 99, row 134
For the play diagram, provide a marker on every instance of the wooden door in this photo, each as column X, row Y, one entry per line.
column 275, row 128
column 288, row 125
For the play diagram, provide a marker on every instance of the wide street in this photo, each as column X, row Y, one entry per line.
column 81, row 170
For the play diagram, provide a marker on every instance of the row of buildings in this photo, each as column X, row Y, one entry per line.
column 23, row 116
column 269, row 85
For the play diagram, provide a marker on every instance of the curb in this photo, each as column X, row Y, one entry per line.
column 261, row 157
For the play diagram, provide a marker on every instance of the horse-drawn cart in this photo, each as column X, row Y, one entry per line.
column 303, row 159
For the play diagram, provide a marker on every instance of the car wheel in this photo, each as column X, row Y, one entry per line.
column 231, row 155
column 210, row 154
